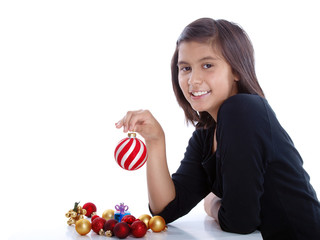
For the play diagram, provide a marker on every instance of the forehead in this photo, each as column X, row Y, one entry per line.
column 188, row 50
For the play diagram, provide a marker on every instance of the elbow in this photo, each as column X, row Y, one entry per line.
column 240, row 225
column 240, row 229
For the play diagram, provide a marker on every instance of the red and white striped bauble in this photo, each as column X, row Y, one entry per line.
column 131, row 153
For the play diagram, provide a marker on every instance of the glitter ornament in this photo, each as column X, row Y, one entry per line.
column 128, row 219
column 91, row 209
column 109, row 226
column 131, row 153
column 138, row 229
column 94, row 217
column 121, row 230
column 97, row 225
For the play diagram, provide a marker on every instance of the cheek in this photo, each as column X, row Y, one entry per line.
column 183, row 83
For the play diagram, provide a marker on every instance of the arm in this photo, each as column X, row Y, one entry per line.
column 160, row 185
column 245, row 142
column 161, row 189
column 169, row 197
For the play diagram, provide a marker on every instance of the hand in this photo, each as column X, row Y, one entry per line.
column 142, row 122
column 212, row 205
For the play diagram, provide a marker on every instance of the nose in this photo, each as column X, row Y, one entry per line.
column 195, row 78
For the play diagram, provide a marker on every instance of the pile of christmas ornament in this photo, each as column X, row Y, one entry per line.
column 119, row 223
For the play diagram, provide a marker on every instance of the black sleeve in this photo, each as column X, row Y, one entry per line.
column 190, row 181
column 243, row 135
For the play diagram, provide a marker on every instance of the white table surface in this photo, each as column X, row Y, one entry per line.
column 191, row 226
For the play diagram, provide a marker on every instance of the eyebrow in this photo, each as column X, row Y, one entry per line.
column 200, row 60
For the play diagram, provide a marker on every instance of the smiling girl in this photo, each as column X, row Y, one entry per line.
column 239, row 158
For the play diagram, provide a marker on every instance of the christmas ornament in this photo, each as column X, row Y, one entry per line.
column 109, row 226
column 91, row 209
column 138, row 229
column 108, row 214
column 131, row 153
column 122, row 210
column 157, row 224
column 128, row 219
column 94, row 217
column 121, row 230
column 97, row 225
column 83, row 226
column 75, row 214
column 145, row 218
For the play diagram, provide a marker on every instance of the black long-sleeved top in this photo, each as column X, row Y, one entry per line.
column 256, row 171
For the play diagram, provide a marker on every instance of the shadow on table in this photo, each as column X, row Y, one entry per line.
column 213, row 228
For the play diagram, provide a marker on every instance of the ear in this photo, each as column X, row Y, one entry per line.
column 236, row 75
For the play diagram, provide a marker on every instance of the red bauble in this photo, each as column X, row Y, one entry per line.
column 131, row 153
column 90, row 207
column 109, row 225
column 128, row 219
column 121, row 230
column 98, row 224
column 138, row 229
column 94, row 217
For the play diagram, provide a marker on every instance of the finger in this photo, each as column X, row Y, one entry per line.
column 119, row 124
column 137, row 119
column 127, row 120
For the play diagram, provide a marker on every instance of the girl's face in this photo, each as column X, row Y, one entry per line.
column 205, row 78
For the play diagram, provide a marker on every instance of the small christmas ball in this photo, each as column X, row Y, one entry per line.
column 138, row 229
column 121, row 230
column 94, row 217
column 131, row 153
column 83, row 226
column 108, row 214
column 91, row 209
column 128, row 219
column 145, row 218
column 98, row 224
column 157, row 224
column 109, row 225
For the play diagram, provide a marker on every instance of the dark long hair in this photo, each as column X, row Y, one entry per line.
column 236, row 48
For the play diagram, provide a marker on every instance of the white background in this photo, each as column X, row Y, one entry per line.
column 70, row 69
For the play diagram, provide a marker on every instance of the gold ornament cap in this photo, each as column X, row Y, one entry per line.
column 132, row 135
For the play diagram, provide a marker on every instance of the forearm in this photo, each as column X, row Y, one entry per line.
column 160, row 185
column 212, row 205
column 216, row 203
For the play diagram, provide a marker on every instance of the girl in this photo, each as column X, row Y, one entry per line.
column 239, row 158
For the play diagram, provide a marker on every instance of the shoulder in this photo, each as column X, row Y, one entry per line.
column 244, row 115
column 243, row 106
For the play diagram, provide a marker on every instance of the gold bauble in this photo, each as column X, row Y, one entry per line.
column 108, row 214
column 83, row 226
column 157, row 224
column 145, row 218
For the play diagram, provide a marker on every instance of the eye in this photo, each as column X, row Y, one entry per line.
column 185, row 69
column 207, row 65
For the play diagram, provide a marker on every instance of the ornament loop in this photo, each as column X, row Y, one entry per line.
column 132, row 135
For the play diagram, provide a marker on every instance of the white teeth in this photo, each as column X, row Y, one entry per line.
column 199, row 93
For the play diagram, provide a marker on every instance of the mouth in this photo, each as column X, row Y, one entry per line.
column 199, row 93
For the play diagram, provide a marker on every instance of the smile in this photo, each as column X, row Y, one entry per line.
column 200, row 93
